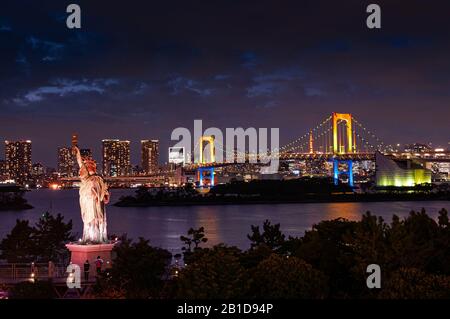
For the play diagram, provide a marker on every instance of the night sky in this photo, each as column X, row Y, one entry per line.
column 138, row 69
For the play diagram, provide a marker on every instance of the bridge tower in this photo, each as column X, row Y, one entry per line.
column 311, row 142
column 347, row 118
column 212, row 158
column 349, row 171
column 340, row 149
column 212, row 149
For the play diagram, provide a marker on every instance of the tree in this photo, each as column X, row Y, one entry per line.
column 138, row 271
column 51, row 234
column 419, row 242
column 368, row 245
column 195, row 237
column 142, row 193
column 19, row 245
column 327, row 249
column 283, row 277
column 252, row 257
column 11, row 198
column 46, row 241
column 412, row 283
column 214, row 273
column 443, row 219
column 271, row 236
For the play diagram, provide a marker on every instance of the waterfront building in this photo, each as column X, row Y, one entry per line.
column 149, row 156
column 417, row 148
column 440, row 169
column 38, row 174
column 3, row 172
column 116, row 158
column 18, row 160
column 37, row 169
column 177, row 155
column 66, row 162
column 399, row 173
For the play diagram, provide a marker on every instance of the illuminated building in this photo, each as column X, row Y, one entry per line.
column 149, row 156
column 3, row 172
column 440, row 170
column 38, row 174
column 176, row 155
column 66, row 163
column 18, row 160
column 37, row 170
column 116, row 158
column 417, row 148
column 399, row 173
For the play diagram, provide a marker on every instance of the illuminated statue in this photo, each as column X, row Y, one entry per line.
column 94, row 196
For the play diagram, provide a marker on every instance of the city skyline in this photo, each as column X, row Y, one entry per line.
column 140, row 71
column 138, row 160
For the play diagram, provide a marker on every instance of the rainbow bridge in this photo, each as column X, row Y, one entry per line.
column 339, row 138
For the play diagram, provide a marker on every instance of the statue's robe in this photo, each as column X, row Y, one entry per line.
column 93, row 192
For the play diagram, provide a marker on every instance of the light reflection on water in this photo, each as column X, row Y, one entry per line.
column 229, row 224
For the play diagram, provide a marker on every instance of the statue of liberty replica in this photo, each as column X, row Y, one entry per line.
column 94, row 196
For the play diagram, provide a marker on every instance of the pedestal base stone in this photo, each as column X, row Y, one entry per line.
column 80, row 253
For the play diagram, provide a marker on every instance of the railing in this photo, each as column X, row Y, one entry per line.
column 28, row 271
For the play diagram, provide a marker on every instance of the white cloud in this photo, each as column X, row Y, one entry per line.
column 62, row 87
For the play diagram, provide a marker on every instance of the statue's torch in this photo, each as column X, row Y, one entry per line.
column 74, row 140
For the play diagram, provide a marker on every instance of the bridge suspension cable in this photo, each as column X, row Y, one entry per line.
column 380, row 144
column 334, row 135
column 313, row 130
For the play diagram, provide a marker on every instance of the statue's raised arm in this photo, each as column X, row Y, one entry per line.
column 76, row 152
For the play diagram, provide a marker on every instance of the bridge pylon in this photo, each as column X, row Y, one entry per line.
column 347, row 118
column 201, row 170
column 311, row 142
column 212, row 149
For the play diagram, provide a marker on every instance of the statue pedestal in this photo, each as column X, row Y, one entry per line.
column 80, row 253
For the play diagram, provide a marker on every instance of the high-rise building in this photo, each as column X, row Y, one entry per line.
column 18, row 160
column 176, row 155
column 65, row 162
column 116, row 158
column 3, row 172
column 149, row 156
column 37, row 170
column 38, row 174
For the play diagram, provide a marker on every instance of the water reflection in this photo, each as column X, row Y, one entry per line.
column 229, row 224
column 206, row 217
column 349, row 211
